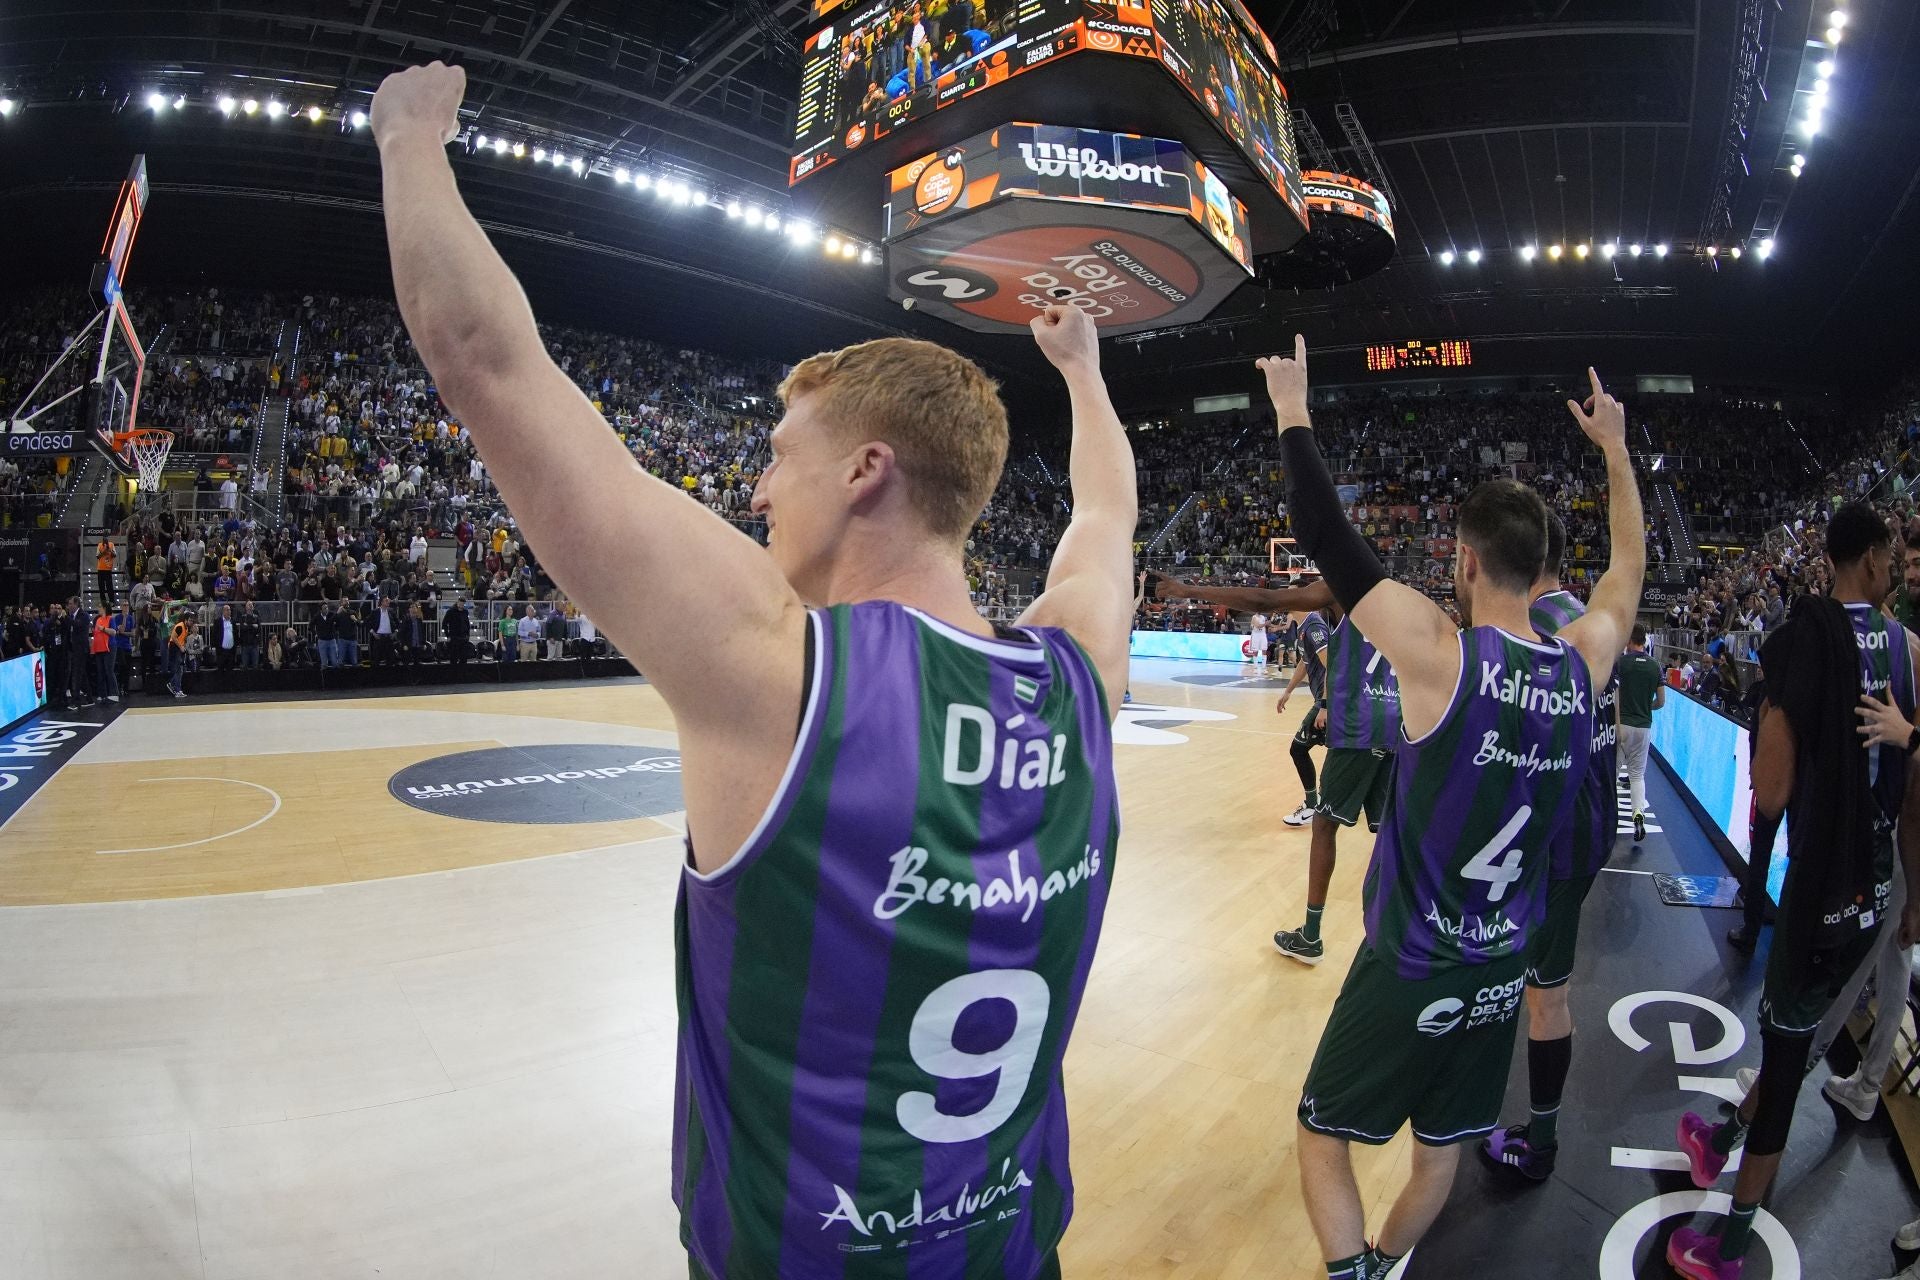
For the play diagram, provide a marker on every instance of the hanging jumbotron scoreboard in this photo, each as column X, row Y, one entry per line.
column 1126, row 159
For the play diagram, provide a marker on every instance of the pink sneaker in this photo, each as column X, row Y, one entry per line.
column 1697, row 1257
column 1694, row 1135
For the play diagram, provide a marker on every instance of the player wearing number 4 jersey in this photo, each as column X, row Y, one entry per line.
column 901, row 819
column 1578, row 856
column 1497, row 728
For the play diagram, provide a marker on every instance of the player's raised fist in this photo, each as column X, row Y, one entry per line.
column 1165, row 588
column 1287, row 383
column 1602, row 417
column 423, row 98
column 1068, row 338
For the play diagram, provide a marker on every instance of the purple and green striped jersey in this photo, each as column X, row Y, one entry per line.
column 1314, row 638
column 1886, row 667
column 876, row 992
column 1596, row 815
column 1459, row 873
column 1363, row 694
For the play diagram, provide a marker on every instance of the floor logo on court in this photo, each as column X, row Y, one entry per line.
column 1146, row 724
column 569, row 782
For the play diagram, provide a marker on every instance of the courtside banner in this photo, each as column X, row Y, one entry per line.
column 1707, row 755
column 23, row 688
column 1198, row 645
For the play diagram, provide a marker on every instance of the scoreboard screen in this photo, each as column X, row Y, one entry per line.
column 879, row 65
column 1415, row 354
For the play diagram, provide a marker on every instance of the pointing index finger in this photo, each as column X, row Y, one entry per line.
column 1598, row 390
column 1300, row 349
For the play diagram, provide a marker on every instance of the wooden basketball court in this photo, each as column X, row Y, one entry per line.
column 278, row 1022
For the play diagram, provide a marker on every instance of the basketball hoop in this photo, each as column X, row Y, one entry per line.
column 149, row 448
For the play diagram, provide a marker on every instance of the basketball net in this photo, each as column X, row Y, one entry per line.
column 149, row 448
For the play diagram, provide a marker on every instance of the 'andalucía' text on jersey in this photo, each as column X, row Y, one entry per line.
column 1459, row 874
column 876, row 992
column 1363, row 694
column 1596, row 817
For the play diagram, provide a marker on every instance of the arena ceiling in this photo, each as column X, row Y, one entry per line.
column 1497, row 125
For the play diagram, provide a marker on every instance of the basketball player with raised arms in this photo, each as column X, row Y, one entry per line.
column 1530, row 1150
column 1496, row 727
column 901, row 819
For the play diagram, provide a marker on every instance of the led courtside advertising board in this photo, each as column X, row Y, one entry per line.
column 880, row 65
column 23, row 688
column 1416, row 354
column 1135, row 231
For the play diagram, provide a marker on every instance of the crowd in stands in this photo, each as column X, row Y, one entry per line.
column 377, row 469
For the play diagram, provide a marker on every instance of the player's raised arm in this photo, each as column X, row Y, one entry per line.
column 683, row 594
column 1601, row 633
column 1093, row 566
column 1412, row 631
column 1315, row 595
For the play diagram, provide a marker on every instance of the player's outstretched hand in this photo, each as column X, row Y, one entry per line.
column 1161, row 587
column 1068, row 338
column 1602, row 418
column 1287, row 383
column 425, row 98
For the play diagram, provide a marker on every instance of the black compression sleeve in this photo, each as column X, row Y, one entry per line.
column 1346, row 560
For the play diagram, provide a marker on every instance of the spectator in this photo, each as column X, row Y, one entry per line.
column 455, row 626
column 556, row 633
column 529, row 636
column 247, row 637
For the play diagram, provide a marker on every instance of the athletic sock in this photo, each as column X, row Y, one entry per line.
column 1353, row 1268
column 1739, row 1230
column 1547, row 1064
column 1379, row 1262
column 1311, row 929
column 1728, row 1135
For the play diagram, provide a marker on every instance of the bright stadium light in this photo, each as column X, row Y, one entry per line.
column 1635, row 249
column 642, row 180
column 249, row 107
column 1446, row 257
column 1608, row 249
column 1736, row 252
column 226, row 105
column 156, row 102
column 1580, row 250
column 359, row 121
column 1765, row 250
column 180, row 102
column 1553, row 251
column 755, row 217
column 1473, row 256
column 1810, row 126
column 1825, row 68
column 1660, row 251
column 1833, row 35
column 1713, row 251
column 621, row 177
column 539, row 155
column 849, row 250
column 733, row 208
column 866, row 257
column 519, row 150
column 1838, row 18
column 833, row 244
column 802, row 232
column 6, row 106
column 773, row 222
column 1527, row 252
column 499, row 146
column 1821, row 89
column 579, row 167
column 276, row 109
column 315, row 114
column 480, row 141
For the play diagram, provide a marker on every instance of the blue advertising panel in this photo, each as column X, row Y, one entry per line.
column 1205, row 646
column 23, row 688
column 1709, row 755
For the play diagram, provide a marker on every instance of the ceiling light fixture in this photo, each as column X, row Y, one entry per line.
column 1446, row 257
